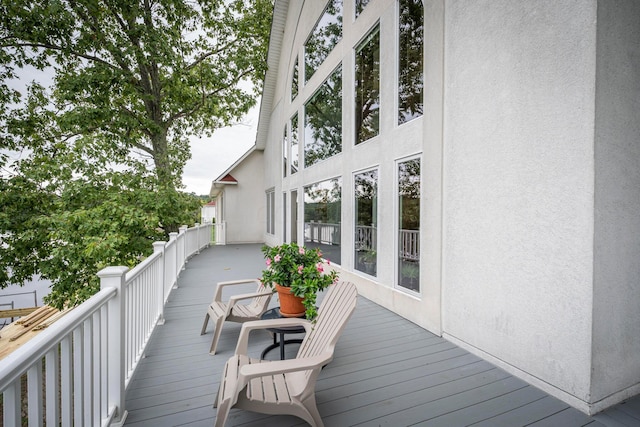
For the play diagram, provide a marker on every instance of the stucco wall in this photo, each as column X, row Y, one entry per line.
column 616, row 365
column 244, row 203
column 518, row 196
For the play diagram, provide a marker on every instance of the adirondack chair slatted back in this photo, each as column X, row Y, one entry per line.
column 255, row 307
column 335, row 310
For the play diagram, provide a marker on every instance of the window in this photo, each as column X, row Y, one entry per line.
column 284, row 216
column 409, row 224
column 294, row 80
column 322, row 217
column 366, row 222
column 360, row 5
column 324, row 37
column 271, row 214
column 285, row 149
column 323, row 121
column 367, row 85
column 294, row 144
column 410, row 61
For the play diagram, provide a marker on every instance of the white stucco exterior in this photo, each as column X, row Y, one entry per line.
column 241, row 205
column 530, row 180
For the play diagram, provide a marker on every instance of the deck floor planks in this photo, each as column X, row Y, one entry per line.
column 386, row 370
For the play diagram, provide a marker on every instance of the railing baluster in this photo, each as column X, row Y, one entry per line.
column 90, row 354
column 34, row 391
column 66, row 379
column 52, row 362
column 11, row 399
column 78, row 372
column 87, row 364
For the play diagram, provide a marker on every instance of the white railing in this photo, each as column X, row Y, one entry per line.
column 321, row 232
column 366, row 238
column 409, row 245
column 76, row 371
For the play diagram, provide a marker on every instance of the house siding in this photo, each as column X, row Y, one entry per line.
column 523, row 150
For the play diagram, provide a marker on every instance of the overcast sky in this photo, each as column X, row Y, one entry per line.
column 209, row 156
column 212, row 156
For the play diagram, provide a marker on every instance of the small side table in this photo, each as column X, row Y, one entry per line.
column 274, row 313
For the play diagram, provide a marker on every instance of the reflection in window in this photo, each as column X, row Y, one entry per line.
column 322, row 217
column 325, row 36
column 409, row 224
column 366, row 226
column 367, row 74
column 294, row 80
column 285, row 149
column 323, row 121
column 294, row 144
column 360, row 5
column 410, row 74
column 271, row 212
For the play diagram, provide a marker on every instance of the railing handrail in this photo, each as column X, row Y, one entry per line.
column 125, row 312
column 16, row 363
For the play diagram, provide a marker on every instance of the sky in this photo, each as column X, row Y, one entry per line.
column 210, row 157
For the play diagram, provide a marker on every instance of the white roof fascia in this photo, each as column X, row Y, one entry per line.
column 280, row 9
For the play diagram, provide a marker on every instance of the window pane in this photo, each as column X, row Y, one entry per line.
column 323, row 121
column 410, row 75
column 366, row 238
column 409, row 224
column 367, row 74
column 326, row 34
column 285, row 149
column 271, row 222
column 360, row 5
column 294, row 80
column 294, row 144
column 322, row 217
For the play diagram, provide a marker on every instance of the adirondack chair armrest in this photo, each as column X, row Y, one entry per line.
column 235, row 298
column 254, row 370
column 247, row 327
column 221, row 285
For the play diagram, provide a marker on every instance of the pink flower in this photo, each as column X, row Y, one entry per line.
column 328, row 261
column 276, row 258
column 300, row 268
column 319, row 267
column 301, row 250
column 268, row 262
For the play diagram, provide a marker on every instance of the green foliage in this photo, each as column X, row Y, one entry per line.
column 301, row 269
column 91, row 159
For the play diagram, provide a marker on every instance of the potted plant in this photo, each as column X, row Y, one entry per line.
column 369, row 259
column 411, row 272
column 297, row 271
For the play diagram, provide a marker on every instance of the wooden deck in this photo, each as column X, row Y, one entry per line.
column 386, row 371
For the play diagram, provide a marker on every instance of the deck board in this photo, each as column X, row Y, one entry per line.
column 386, row 370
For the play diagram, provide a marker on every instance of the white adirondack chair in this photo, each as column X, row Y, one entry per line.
column 220, row 311
column 286, row 386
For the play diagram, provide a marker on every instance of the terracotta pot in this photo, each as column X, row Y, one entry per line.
column 290, row 305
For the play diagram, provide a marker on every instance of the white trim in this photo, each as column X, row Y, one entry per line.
column 396, row 285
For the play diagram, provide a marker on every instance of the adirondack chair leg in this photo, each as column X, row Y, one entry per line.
column 216, row 335
column 204, row 325
column 310, row 405
column 223, row 413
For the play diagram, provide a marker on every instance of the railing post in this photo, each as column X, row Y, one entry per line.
column 196, row 226
column 114, row 277
column 159, row 247
column 173, row 236
column 183, row 233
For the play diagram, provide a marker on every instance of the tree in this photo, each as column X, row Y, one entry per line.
column 92, row 162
